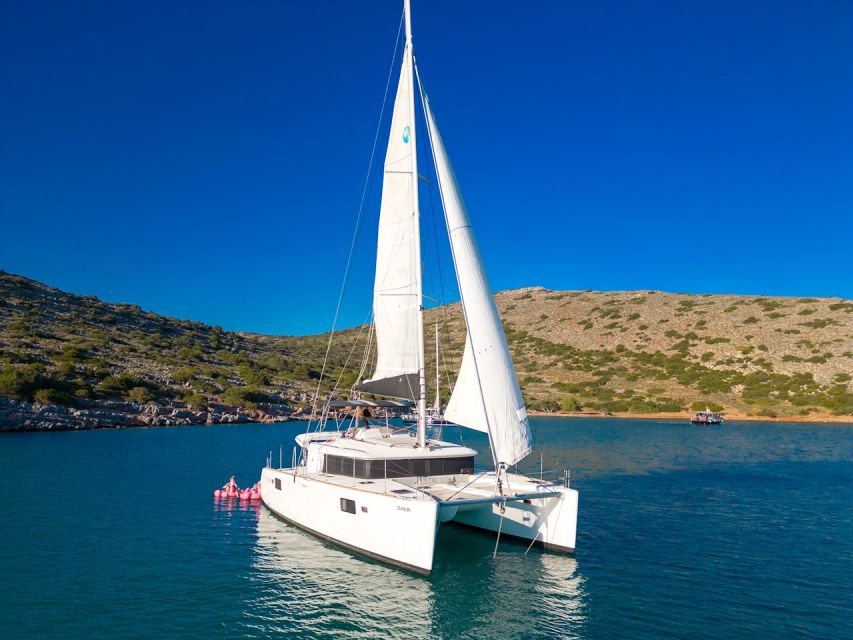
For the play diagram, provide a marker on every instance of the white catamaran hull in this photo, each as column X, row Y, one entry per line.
column 552, row 521
column 401, row 532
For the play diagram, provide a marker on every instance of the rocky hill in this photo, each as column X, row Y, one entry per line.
column 76, row 362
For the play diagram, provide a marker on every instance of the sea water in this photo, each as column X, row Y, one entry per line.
column 735, row 531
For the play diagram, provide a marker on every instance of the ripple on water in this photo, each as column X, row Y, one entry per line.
column 684, row 532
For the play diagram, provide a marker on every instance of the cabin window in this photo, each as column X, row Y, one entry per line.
column 347, row 505
column 338, row 465
column 278, row 483
column 407, row 468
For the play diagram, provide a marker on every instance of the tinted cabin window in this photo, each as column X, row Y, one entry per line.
column 375, row 469
column 347, row 505
column 338, row 465
column 278, row 483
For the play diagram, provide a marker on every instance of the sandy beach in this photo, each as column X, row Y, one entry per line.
column 685, row 415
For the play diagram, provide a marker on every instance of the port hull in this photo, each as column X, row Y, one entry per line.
column 384, row 527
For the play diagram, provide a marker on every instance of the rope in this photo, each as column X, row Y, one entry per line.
column 531, row 542
column 442, row 296
column 364, row 197
column 346, row 362
column 456, row 267
column 365, row 361
column 500, row 526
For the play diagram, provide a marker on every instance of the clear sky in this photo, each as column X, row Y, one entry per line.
column 206, row 159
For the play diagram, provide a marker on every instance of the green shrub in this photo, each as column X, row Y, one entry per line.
column 847, row 307
column 122, row 382
column 196, row 400
column 820, row 323
column 53, row 396
column 183, row 375
column 549, row 405
column 244, row 396
column 21, row 382
column 140, row 395
column 71, row 353
column 701, row 405
column 570, row 405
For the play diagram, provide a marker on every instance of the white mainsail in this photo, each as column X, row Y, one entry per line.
column 397, row 287
column 486, row 396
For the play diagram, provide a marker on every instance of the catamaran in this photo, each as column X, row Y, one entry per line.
column 383, row 491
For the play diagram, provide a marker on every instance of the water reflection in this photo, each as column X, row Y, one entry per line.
column 594, row 447
column 304, row 585
column 235, row 504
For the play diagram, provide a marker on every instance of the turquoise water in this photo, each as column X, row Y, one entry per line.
column 743, row 530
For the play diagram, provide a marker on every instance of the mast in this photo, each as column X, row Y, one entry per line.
column 437, row 373
column 408, row 65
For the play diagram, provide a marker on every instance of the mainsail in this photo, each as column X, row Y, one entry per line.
column 397, row 287
column 486, row 396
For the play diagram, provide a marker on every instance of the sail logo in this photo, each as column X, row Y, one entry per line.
column 406, row 132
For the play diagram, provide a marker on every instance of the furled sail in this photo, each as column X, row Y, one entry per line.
column 396, row 289
column 486, row 396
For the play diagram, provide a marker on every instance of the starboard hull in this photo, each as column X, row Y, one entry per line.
column 549, row 522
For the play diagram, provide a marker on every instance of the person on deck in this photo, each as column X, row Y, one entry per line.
column 363, row 414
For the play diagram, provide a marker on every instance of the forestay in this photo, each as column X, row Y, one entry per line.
column 396, row 290
column 486, row 396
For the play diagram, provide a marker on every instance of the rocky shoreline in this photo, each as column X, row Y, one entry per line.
column 16, row 415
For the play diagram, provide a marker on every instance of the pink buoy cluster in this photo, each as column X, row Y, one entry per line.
column 231, row 490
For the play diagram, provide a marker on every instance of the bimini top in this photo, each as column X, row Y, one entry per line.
column 379, row 443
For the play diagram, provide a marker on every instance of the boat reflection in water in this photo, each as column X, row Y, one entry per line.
column 306, row 586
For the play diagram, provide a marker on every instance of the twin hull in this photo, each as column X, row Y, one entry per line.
column 402, row 531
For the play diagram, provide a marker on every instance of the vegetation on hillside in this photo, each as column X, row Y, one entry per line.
column 640, row 352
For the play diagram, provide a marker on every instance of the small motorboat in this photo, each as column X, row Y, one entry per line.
column 706, row 417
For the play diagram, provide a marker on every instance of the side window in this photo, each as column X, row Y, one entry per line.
column 347, row 505
column 278, row 483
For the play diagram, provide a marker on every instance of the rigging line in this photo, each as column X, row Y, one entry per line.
column 365, row 360
column 442, row 296
column 352, row 350
column 462, row 301
column 500, row 527
column 467, row 485
column 365, row 193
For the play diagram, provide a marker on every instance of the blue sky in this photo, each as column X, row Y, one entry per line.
column 206, row 159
